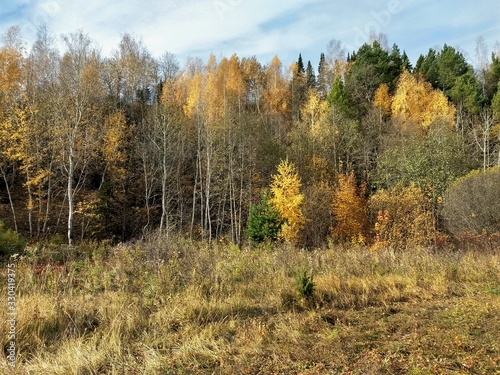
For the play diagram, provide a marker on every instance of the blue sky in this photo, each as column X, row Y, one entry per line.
column 261, row 27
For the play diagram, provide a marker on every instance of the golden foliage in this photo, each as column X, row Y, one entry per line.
column 287, row 199
column 213, row 91
column 191, row 106
column 172, row 94
column 349, row 210
column 313, row 111
column 383, row 99
column 404, row 217
column 10, row 71
column 275, row 93
column 114, row 143
column 233, row 76
column 415, row 101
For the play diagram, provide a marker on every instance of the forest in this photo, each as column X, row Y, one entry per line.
column 112, row 147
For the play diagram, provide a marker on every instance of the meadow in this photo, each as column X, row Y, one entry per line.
column 168, row 305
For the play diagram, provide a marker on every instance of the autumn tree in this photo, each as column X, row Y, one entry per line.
column 275, row 92
column 416, row 102
column 314, row 111
column 253, row 78
column 107, row 207
column 41, row 100
column 383, row 100
column 287, row 199
column 10, row 90
column 349, row 210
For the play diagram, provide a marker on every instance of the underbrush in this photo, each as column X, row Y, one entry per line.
column 171, row 306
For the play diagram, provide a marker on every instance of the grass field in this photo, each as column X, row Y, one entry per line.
column 170, row 306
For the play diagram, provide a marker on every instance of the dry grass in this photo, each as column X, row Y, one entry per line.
column 175, row 307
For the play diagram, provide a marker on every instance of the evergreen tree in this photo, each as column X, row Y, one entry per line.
column 406, row 64
column 338, row 97
column 370, row 67
column 298, row 87
column 443, row 69
column 451, row 65
column 300, row 64
column 264, row 222
column 427, row 67
column 311, row 77
column 492, row 78
column 322, row 81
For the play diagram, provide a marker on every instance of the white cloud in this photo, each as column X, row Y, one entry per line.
column 261, row 27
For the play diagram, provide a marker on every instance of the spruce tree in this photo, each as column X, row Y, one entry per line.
column 300, row 64
column 311, row 77
column 264, row 222
column 322, row 83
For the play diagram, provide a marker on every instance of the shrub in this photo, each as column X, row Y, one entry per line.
column 304, row 284
column 10, row 242
column 403, row 217
column 317, row 208
column 471, row 204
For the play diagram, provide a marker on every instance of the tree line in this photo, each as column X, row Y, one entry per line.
column 111, row 147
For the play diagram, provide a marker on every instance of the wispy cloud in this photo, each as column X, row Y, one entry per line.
column 259, row 27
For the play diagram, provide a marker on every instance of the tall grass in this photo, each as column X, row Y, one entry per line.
column 171, row 306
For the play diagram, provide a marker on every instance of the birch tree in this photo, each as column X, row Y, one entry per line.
column 78, row 116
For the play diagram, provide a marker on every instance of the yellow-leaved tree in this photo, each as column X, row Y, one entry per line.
column 314, row 111
column 415, row 101
column 10, row 88
column 287, row 199
column 114, row 143
column 349, row 210
column 383, row 100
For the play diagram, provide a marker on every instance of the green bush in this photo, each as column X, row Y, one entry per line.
column 304, row 284
column 10, row 242
column 472, row 205
column 264, row 222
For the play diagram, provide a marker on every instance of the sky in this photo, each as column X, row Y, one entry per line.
column 261, row 28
